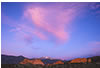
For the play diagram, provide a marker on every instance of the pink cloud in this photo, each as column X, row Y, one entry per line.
column 40, row 35
column 23, row 36
column 55, row 21
column 97, row 43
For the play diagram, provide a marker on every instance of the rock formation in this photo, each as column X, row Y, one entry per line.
column 59, row 62
column 81, row 60
column 35, row 61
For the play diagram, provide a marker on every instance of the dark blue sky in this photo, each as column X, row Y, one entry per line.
column 58, row 30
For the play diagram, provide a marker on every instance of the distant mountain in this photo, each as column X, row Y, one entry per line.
column 5, row 59
column 50, row 61
column 46, row 57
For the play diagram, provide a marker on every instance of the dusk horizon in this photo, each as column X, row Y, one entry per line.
column 60, row 30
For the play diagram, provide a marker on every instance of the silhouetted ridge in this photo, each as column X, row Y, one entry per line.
column 7, row 59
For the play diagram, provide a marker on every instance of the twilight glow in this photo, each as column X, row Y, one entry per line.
column 64, row 30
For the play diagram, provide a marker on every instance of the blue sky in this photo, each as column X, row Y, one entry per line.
column 58, row 30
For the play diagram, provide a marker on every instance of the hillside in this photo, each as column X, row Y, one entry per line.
column 5, row 59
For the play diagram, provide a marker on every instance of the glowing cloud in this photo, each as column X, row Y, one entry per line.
column 54, row 21
column 47, row 21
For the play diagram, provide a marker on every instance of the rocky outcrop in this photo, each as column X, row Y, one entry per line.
column 81, row 60
column 25, row 61
column 58, row 62
column 35, row 61
column 89, row 60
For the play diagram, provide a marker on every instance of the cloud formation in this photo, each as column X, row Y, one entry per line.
column 44, row 22
column 54, row 21
column 95, row 47
column 97, row 43
column 95, row 7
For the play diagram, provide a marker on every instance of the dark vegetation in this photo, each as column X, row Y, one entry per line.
column 95, row 59
column 53, row 66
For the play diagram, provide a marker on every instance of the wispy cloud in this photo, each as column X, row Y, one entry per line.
column 95, row 8
column 96, row 43
column 45, row 21
column 95, row 47
column 54, row 21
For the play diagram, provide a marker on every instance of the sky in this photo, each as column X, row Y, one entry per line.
column 62, row 30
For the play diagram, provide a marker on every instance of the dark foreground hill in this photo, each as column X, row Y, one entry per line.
column 5, row 59
column 53, row 66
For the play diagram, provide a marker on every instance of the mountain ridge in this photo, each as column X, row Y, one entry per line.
column 9, row 59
